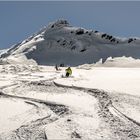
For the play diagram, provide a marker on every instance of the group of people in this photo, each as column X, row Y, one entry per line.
column 68, row 71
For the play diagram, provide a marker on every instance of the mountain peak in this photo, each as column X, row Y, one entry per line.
column 59, row 23
column 60, row 43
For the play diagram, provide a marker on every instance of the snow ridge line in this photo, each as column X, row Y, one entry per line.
column 10, row 85
column 60, row 108
column 104, row 103
column 49, row 103
column 134, row 121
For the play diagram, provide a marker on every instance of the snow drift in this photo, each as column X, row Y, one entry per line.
column 60, row 43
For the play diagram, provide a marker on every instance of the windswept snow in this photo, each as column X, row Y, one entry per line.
column 37, row 103
column 10, row 109
column 3, row 51
column 123, row 80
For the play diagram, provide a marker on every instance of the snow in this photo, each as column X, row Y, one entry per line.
column 82, row 103
column 9, row 110
column 4, row 82
column 100, row 101
column 123, row 80
column 70, row 48
column 82, row 119
column 119, row 62
column 62, row 129
column 3, row 51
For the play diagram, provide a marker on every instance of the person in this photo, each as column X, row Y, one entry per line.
column 56, row 67
column 68, row 72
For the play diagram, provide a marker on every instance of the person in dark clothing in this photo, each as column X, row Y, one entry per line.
column 56, row 67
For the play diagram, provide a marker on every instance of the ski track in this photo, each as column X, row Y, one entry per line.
column 96, row 92
column 105, row 103
column 34, row 130
column 121, row 126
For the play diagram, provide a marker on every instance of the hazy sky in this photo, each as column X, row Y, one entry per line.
column 18, row 20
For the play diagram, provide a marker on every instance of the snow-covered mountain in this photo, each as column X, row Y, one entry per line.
column 3, row 51
column 60, row 43
column 94, row 103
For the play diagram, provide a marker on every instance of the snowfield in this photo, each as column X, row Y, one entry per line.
column 95, row 103
column 123, row 80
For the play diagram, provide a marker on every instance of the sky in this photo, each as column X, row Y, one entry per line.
column 20, row 19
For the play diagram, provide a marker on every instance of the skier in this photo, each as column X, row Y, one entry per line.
column 68, row 72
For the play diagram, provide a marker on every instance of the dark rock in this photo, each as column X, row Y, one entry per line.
column 83, row 50
column 110, row 37
column 96, row 31
column 103, row 35
column 130, row 40
column 79, row 31
column 113, row 40
column 68, row 120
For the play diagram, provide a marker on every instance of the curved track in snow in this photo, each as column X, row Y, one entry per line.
column 35, row 128
column 94, row 92
column 110, row 112
column 113, row 123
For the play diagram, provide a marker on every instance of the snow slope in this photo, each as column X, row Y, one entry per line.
column 37, row 103
column 122, row 80
column 60, row 43
column 3, row 51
